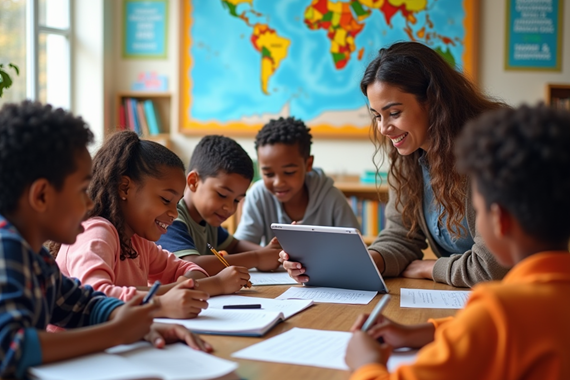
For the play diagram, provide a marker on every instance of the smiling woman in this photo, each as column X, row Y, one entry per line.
column 419, row 104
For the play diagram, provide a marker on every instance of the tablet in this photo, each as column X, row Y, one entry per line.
column 334, row 257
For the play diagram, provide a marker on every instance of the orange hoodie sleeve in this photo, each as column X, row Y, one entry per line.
column 468, row 347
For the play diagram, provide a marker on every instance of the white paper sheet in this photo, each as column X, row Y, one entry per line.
column 232, row 322
column 329, row 295
column 270, row 278
column 318, row 348
column 139, row 361
column 435, row 299
column 287, row 307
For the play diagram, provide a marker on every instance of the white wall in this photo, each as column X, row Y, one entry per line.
column 514, row 87
column 340, row 156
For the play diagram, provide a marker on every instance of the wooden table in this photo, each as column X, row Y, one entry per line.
column 323, row 316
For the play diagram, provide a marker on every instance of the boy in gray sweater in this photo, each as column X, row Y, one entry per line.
column 290, row 189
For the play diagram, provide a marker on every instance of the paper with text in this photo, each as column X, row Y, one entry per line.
column 138, row 361
column 435, row 299
column 329, row 295
column 287, row 307
column 318, row 348
column 271, row 278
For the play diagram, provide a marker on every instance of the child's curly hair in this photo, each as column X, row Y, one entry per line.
column 288, row 131
column 520, row 159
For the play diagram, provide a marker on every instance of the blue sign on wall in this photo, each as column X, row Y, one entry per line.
column 534, row 35
column 144, row 28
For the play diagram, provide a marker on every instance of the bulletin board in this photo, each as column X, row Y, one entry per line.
column 145, row 28
column 534, row 35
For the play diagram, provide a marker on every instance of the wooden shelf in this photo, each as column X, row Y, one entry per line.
column 558, row 95
column 368, row 196
column 365, row 191
column 162, row 102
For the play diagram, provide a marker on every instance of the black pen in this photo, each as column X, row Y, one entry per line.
column 151, row 292
column 246, row 306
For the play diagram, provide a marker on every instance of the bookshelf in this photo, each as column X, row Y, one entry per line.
column 367, row 192
column 558, row 95
column 352, row 187
column 162, row 102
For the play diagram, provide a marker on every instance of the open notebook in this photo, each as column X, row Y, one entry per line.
column 252, row 322
column 230, row 322
column 139, row 361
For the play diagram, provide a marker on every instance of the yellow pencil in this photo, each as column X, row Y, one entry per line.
column 224, row 261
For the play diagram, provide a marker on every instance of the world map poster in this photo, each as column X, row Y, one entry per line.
column 244, row 62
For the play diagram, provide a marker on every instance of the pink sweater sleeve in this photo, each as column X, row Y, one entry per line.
column 93, row 258
column 166, row 267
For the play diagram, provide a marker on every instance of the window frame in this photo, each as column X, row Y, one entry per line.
column 33, row 31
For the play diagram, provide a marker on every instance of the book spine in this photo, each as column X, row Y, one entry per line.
column 372, row 220
column 137, row 126
column 365, row 226
column 122, row 118
column 130, row 116
column 151, row 117
column 142, row 119
column 382, row 214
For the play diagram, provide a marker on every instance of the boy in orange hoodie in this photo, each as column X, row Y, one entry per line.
column 518, row 162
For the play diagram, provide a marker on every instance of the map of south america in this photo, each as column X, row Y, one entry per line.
column 266, row 41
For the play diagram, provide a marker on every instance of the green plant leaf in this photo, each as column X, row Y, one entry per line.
column 15, row 68
column 6, row 81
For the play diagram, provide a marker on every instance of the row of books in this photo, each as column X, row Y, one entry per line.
column 370, row 215
column 139, row 116
column 561, row 103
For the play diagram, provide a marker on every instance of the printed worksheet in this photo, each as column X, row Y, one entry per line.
column 318, row 348
column 434, row 299
column 270, row 278
column 329, row 295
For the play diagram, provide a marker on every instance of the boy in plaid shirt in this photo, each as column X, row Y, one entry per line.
column 45, row 169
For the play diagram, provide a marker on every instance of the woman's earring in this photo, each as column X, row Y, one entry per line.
column 124, row 198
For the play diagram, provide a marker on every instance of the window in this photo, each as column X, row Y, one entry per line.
column 54, row 58
column 13, row 46
column 35, row 35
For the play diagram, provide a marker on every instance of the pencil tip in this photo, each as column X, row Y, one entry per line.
column 209, row 246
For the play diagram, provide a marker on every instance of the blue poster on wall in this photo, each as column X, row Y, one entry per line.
column 534, row 35
column 144, row 28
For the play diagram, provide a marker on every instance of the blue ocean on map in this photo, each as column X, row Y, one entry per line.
column 226, row 69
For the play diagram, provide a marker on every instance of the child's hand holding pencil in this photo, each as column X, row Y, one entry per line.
column 231, row 272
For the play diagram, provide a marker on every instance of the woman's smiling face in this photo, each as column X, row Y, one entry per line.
column 399, row 116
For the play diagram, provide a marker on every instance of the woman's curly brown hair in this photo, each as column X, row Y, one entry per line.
column 451, row 101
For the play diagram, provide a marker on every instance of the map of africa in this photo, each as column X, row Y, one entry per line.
column 253, row 60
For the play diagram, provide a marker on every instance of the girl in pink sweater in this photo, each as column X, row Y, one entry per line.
column 135, row 188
